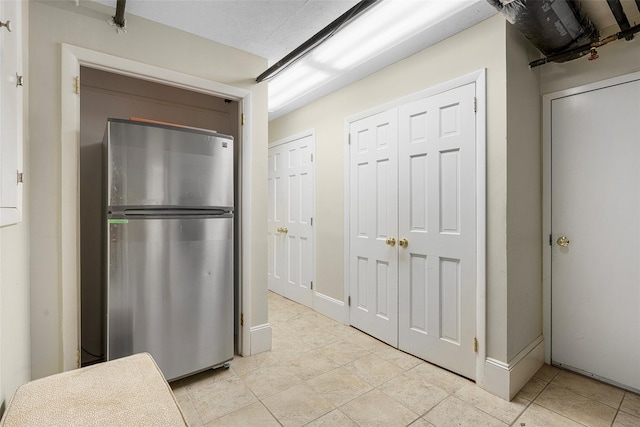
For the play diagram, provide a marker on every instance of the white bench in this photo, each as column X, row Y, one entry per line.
column 125, row 392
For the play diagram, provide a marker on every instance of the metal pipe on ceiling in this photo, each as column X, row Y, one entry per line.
column 621, row 17
column 583, row 50
column 118, row 19
column 316, row 39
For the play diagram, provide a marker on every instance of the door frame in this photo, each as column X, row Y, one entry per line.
column 479, row 78
column 546, row 192
column 72, row 58
column 312, row 133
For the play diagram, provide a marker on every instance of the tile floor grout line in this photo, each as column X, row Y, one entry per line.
column 513, row 423
column 618, row 409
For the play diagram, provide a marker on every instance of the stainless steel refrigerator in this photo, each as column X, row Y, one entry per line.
column 169, row 233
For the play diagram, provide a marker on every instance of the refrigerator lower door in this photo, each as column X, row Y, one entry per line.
column 170, row 292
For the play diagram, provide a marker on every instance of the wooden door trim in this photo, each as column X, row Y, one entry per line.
column 546, row 192
column 479, row 78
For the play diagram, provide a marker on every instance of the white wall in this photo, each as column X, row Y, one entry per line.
column 56, row 22
column 15, row 346
column 482, row 46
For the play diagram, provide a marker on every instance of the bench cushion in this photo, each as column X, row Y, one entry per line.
column 130, row 391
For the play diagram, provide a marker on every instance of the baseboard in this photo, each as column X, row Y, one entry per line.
column 260, row 338
column 505, row 380
column 329, row 307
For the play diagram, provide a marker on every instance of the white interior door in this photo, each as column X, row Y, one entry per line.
column 290, row 226
column 373, row 257
column 275, row 220
column 595, row 221
column 437, row 229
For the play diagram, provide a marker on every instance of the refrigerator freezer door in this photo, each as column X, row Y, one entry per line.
column 170, row 292
column 155, row 166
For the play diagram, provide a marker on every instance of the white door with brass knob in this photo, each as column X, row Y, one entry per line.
column 595, row 232
column 437, row 229
column 373, row 258
column 412, row 227
column 291, row 267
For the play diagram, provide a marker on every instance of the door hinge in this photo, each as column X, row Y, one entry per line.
column 475, row 104
column 242, row 119
column 78, row 362
column 312, row 221
column 77, row 85
column 241, row 319
column 349, row 301
column 550, row 240
column 312, row 284
column 349, row 139
column 312, row 157
column 19, row 177
column 475, row 344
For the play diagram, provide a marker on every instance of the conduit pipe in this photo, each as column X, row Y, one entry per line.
column 583, row 50
column 621, row 17
column 118, row 19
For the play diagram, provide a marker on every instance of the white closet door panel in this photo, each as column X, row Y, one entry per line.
column 290, row 239
column 298, row 203
column 374, row 218
column 437, row 268
column 275, row 240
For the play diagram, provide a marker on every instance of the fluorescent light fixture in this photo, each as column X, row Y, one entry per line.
column 378, row 29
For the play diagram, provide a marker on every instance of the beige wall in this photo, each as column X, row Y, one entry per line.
column 524, row 197
column 56, row 22
column 15, row 345
column 482, row 46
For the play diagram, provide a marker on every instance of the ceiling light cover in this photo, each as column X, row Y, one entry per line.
column 383, row 26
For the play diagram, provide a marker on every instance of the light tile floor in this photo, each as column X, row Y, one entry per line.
column 323, row 373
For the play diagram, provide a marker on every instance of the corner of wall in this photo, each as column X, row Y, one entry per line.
column 505, row 380
column 261, row 339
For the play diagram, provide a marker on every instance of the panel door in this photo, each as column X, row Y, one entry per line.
column 298, row 210
column 437, row 229
column 373, row 257
column 275, row 220
column 290, row 231
column 595, row 292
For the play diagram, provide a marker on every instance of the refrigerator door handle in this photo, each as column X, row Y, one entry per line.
column 170, row 213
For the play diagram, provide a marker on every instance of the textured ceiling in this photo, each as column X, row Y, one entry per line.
column 266, row 28
column 273, row 28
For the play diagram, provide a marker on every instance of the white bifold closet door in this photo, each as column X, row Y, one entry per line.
column 373, row 222
column 290, row 234
column 413, row 228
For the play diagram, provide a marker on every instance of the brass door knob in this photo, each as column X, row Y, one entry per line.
column 563, row 241
column 280, row 229
column 403, row 243
column 285, row 230
column 391, row 241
